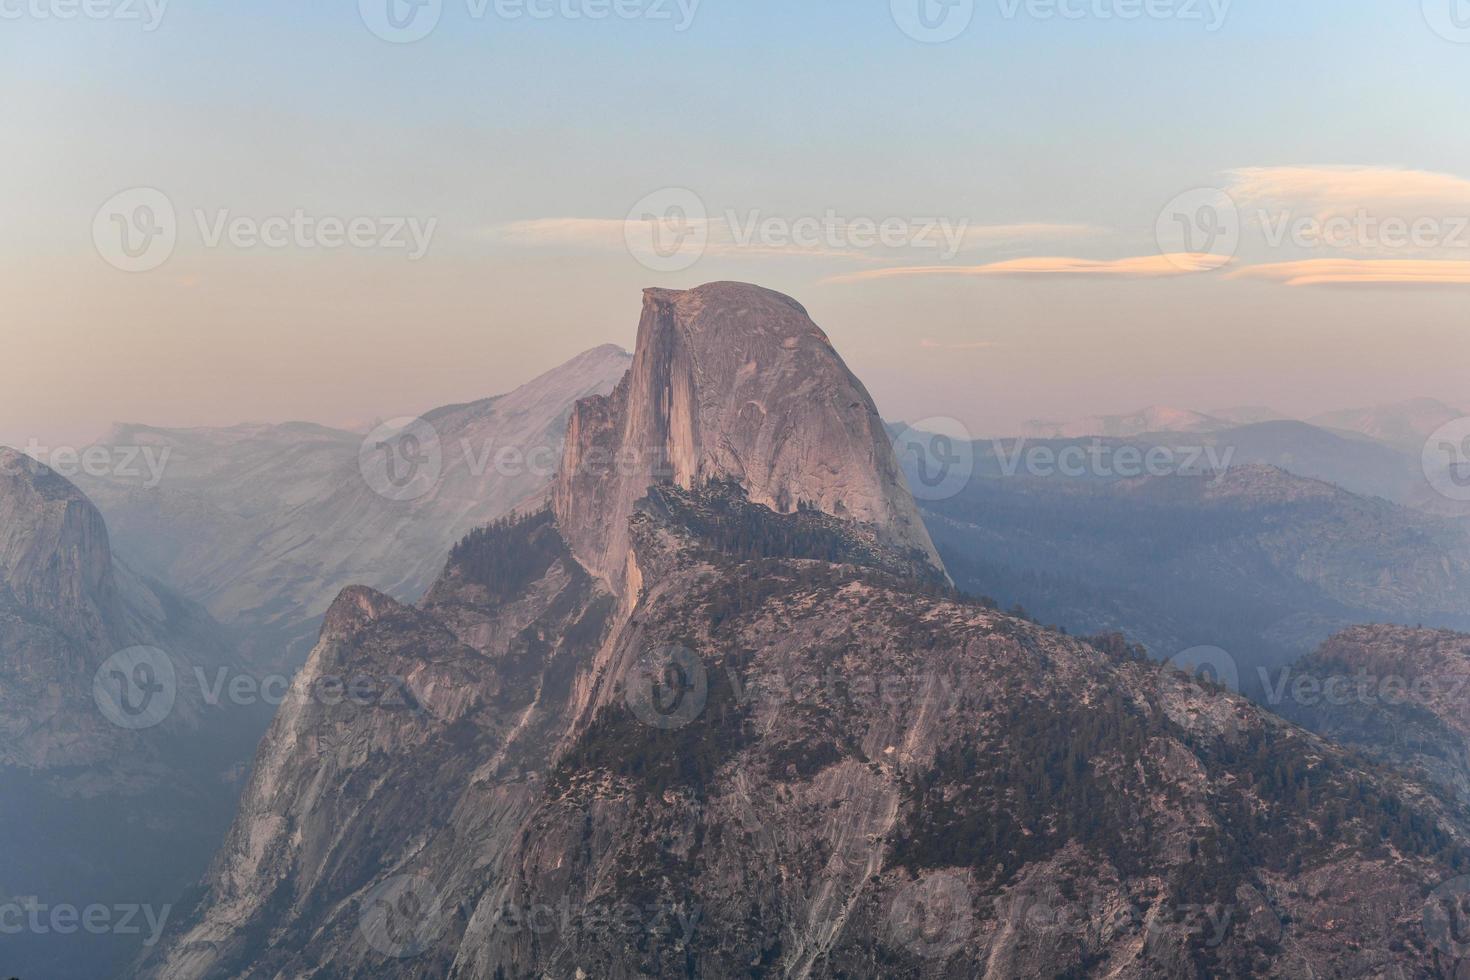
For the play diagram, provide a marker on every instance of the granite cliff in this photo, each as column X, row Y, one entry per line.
column 726, row 717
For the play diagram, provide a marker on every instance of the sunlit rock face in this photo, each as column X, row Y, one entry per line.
column 729, row 382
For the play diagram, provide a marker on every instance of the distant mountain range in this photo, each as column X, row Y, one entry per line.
column 265, row 524
column 1403, row 425
column 1258, row 561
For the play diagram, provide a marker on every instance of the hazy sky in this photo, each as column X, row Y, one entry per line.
column 1050, row 141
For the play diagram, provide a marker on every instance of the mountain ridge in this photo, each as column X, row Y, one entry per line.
column 767, row 731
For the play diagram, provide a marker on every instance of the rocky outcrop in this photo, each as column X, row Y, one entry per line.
column 1400, row 694
column 799, row 768
column 729, row 382
column 54, row 554
column 67, row 606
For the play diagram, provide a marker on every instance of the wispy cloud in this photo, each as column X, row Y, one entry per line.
column 1361, row 272
column 1138, row 267
column 994, row 235
column 571, row 232
column 928, row 344
column 1330, row 190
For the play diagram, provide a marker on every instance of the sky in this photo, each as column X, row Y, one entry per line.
column 998, row 210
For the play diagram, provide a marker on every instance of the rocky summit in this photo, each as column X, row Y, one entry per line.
column 729, row 381
column 719, row 713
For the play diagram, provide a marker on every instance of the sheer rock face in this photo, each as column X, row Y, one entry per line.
column 61, row 616
column 54, row 553
column 66, row 606
column 729, row 382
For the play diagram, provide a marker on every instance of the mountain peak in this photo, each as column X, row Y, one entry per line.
column 54, row 550
column 729, row 382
